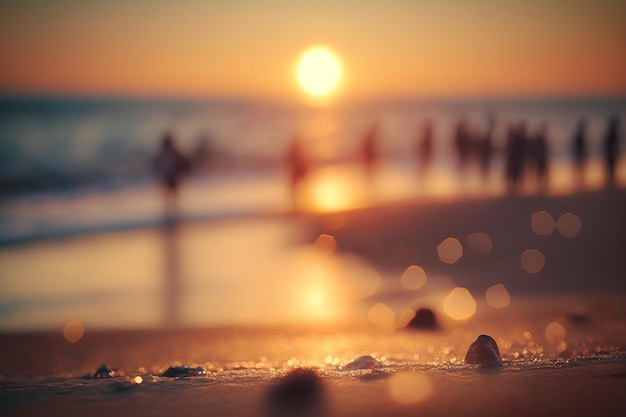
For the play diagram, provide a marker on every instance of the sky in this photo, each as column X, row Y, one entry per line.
column 249, row 48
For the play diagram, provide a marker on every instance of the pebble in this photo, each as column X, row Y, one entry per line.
column 424, row 319
column 300, row 388
column 104, row 371
column 183, row 371
column 484, row 351
column 362, row 362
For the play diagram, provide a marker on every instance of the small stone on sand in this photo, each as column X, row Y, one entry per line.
column 362, row 362
column 104, row 371
column 299, row 388
column 484, row 351
column 424, row 319
column 184, row 371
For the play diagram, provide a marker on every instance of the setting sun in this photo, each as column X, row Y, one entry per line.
column 319, row 71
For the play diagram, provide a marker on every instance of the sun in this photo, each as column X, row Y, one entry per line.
column 319, row 71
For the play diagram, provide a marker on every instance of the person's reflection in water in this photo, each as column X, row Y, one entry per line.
column 171, row 274
column 171, row 166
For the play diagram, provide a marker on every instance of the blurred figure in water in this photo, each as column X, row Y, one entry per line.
column 369, row 149
column 515, row 155
column 298, row 165
column 611, row 148
column 202, row 154
column 425, row 149
column 538, row 155
column 462, row 143
column 579, row 146
column 485, row 147
column 171, row 166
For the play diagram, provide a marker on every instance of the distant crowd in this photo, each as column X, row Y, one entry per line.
column 525, row 153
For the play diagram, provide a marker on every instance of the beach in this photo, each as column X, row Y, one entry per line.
column 560, row 333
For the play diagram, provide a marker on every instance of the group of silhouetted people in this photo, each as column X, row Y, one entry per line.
column 610, row 148
column 526, row 153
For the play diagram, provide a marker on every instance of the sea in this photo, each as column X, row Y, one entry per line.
column 57, row 153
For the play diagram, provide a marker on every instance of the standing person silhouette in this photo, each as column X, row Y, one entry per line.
column 425, row 149
column 171, row 166
column 369, row 149
column 611, row 148
column 579, row 146
column 539, row 147
column 298, row 165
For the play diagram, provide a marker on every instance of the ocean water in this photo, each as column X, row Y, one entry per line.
column 72, row 165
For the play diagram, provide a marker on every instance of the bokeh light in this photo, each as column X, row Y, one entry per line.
column 459, row 304
column 138, row 380
column 532, row 261
column 555, row 335
column 542, row 223
column 326, row 243
column 479, row 243
column 382, row 317
column 73, row 331
column 413, row 277
column 450, row 250
column 569, row 225
column 497, row 296
column 407, row 387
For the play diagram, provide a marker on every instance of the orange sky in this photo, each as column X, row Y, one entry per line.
column 389, row 48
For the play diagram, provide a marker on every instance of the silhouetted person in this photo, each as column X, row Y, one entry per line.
column 462, row 143
column 515, row 155
column 298, row 165
column 425, row 148
column 579, row 147
column 539, row 154
column 171, row 166
column 202, row 154
column 611, row 147
column 370, row 149
column 485, row 147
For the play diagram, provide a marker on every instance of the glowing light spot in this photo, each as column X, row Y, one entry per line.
column 319, row 71
column 532, row 261
column 382, row 317
column 407, row 387
column 73, row 331
column 542, row 223
column 413, row 277
column 333, row 189
column 569, row 225
column 498, row 296
column 326, row 243
column 450, row 250
column 479, row 243
column 555, row 335
column 138, row 380
column 459, row 304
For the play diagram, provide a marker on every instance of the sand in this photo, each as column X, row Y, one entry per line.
column 562, row 337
